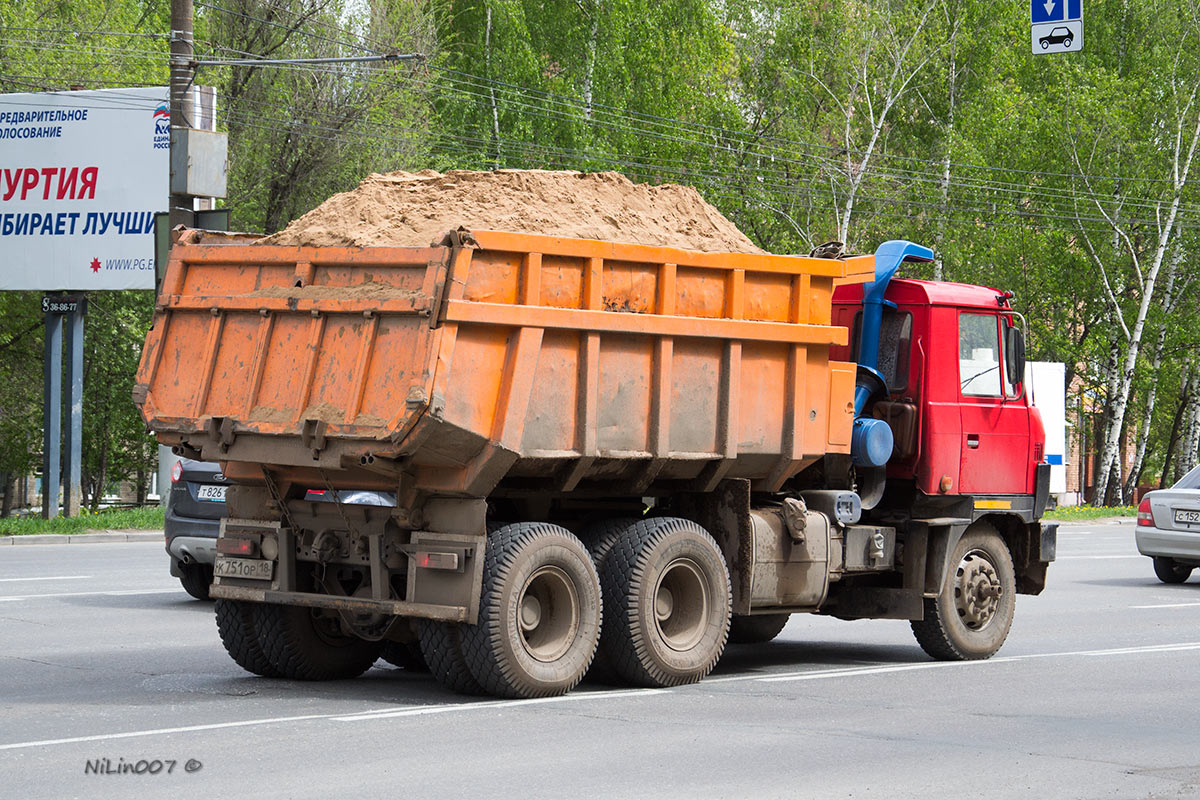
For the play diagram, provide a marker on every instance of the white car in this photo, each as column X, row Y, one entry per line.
column 1168, row 528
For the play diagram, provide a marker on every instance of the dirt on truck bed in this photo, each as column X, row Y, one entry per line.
column 416, row 209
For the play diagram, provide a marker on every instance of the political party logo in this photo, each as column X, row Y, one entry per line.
column 162, row 127
column 162, row 119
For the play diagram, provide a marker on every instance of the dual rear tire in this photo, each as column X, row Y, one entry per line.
column 667, row 604
column 655, row 613
column 292, row 642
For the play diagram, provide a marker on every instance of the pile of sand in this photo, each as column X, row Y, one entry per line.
column 417, row 209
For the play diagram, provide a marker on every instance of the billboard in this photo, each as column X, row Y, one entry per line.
column 81, row 177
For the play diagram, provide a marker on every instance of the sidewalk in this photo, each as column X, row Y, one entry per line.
column 91, row 537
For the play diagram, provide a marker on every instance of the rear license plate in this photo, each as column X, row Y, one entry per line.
column 1185, row 517
column 210, row 493
column 252, row 568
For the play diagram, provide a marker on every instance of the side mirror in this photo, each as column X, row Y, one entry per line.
column 1014, row 354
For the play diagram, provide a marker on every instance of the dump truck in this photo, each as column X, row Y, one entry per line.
column 603, row 456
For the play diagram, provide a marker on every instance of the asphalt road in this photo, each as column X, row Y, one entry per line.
column 105, row 662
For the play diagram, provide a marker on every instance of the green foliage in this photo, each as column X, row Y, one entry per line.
column 1087, row 513
column 936, row 118
column 117, row 519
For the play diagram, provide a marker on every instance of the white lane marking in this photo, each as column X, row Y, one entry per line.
column 47, row 578
column 418, row 711
column 114, row 593
column 383, row 713
column 886, row 668
column 386, row 713
column 1170, row 605
column 104, row 737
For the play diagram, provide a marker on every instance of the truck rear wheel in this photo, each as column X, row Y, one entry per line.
column 599, row 538
column 239, row 634
column 539, row 615
column 667, row 596
column 405, row 655
column 757, row 628
column 441, row 645
column 971, row 616
column 307, row 644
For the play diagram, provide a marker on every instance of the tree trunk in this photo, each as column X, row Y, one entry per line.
column 141, row 488
column 1173, row 441
column 9, row 484
column 944, row 182
column 1143, row 432
column 589, row 72
column 1182, row 165
column 101, row 476
column 1191, row 442
column 487, row 64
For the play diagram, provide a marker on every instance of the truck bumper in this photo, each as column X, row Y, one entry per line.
column 353, row 604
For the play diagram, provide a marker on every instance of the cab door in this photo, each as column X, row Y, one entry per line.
column 995, row 423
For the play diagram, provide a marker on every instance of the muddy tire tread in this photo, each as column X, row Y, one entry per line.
column 236, row 627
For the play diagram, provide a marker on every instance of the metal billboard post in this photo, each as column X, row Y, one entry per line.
column 52, row 415
column 72, row 487
column 55, row 307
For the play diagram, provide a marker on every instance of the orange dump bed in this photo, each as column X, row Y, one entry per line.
column 499, row 361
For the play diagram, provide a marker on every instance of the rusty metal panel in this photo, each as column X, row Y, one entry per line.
column 560, row 359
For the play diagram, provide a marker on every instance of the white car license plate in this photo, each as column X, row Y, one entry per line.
column 210, row 493
column 1186, row 517
column 256, row 569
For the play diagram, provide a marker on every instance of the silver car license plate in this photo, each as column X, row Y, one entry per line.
column 1186, row 517
column 210, row 493
column 253, row 568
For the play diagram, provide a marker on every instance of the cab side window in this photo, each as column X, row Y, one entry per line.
column 978, row 355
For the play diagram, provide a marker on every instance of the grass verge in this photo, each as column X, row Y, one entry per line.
column 1078, row 513
column 116, row 519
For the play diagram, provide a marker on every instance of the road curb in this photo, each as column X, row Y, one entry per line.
column 83, row 538
column 1097, row 521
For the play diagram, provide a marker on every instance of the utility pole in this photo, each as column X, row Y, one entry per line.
column 180, row 206
column 183, row 76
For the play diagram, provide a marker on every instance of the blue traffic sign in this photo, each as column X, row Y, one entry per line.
column 1054, row 10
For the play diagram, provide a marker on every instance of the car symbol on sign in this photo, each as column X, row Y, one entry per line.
column 1061, row 36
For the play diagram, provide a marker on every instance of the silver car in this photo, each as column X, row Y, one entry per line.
column 1168, row 528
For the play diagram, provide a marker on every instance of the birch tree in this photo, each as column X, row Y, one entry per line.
column 1180, row 124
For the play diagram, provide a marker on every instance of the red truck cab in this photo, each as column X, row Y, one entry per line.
column 952, row 356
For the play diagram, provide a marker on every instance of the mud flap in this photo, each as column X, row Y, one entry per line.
column 446, row 569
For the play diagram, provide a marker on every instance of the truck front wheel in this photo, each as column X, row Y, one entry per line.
column 971, row 616
column 307, row 644
column 539, row 614
column 667, row 603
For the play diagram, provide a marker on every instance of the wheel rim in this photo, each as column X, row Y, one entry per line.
column 548, row 614
column 977, row 590
column 681, row 605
